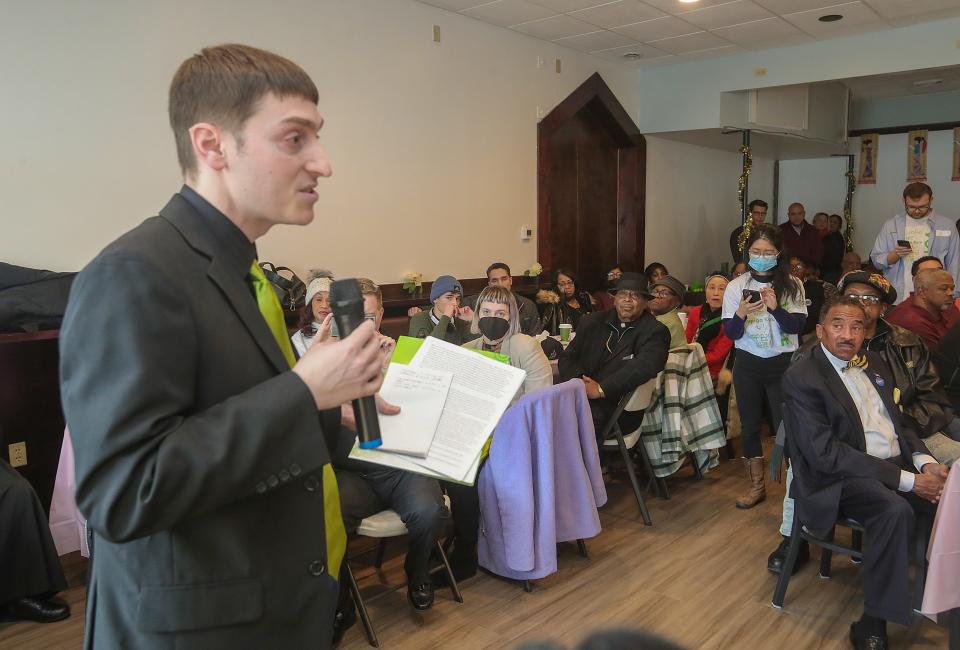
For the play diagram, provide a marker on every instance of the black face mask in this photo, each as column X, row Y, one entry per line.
column 493, row 328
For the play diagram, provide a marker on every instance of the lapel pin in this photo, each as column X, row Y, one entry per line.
column 878, row 380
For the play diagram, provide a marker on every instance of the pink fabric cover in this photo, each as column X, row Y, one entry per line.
column 942, row 590
column 67, row 525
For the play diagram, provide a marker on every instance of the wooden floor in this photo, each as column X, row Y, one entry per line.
column 697, row 576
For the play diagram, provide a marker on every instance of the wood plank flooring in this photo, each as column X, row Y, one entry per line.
column 697, row 576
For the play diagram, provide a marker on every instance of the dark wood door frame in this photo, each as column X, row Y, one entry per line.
column 595, row 96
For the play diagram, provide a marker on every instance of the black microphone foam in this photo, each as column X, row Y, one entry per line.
column 346, row 302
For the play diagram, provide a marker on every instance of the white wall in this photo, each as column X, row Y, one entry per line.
column 874, row 204
column 687, row 96
column 692, row 204
column 820, row 184
column 433, row 147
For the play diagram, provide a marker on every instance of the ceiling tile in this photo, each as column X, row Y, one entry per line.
column 618, row 13
column 732, row 13
column 901, row 8
column 792, row 6
column 569, row 5
column 760, row 34
column 508, row 12
column 647, row 53
column 556, row 27
column 713, row 52
column 455, row 5
column 689, row 43
column 856, row 18
column 600, row 40
column 675, row 7
column 651, row 30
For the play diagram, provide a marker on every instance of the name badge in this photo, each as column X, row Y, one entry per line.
column 943, row 233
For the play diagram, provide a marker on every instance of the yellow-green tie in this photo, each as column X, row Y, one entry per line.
column 269, row 306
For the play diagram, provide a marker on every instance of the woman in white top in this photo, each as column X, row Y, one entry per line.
column 763, row 313
column 315, row 310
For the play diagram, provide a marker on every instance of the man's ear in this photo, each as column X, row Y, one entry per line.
column 819, row 332
column 207, row 140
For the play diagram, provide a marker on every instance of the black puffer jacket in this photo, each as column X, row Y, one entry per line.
column 925, row 405
column 554, row 311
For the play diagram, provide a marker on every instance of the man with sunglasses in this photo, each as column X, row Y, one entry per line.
column 916, row 233
column 926, row 408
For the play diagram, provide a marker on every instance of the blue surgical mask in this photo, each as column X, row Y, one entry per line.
column 762, row 263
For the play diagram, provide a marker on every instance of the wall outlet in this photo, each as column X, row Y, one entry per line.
column 436, row 33
column 18, row 454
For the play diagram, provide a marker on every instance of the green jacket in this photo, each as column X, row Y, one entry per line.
column 421, row 326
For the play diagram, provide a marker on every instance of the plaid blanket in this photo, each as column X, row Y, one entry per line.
column 683, row 416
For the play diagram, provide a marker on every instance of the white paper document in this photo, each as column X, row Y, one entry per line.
column 420, row 393
column 480, row 391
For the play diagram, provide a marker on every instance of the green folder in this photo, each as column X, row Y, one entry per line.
column 407, row 346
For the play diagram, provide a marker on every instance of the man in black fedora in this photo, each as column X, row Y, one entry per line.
column 616, row 350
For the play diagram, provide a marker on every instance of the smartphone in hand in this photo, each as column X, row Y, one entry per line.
column 904, row 243
column 751, row 295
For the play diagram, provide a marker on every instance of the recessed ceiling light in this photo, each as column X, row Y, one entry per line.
column 830, row 18
column 928, row 82
column 633, row 55
column 688, row 2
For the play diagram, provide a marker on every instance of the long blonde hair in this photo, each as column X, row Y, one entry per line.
column 500, row 296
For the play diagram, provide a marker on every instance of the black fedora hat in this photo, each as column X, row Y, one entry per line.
column 630, row 281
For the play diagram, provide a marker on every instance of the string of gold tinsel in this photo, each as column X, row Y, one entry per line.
column 741, row 186
column 848, row 210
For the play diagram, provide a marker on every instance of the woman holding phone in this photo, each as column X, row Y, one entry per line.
column 763, row 312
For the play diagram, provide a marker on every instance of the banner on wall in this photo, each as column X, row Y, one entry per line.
column 956, row 155
column 917, row 156
column 869, row 145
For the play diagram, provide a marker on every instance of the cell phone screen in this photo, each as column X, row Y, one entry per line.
column 904, row 243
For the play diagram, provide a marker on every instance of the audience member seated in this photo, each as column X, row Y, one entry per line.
column 668, row 294
column 854, row 456
column 821, row 223
column 603, row 297
column 617, row 350
column 763, row 312
column 924, row 231
column 758, row 214
column 704, row 326
column 738, row 269
column 498, row 275
column 929, row 311
column 373, row 311
column 799, row 237
column 566, row 305
column 31, row 569
column 446, row 319
column 834, row 246
column 315, row 310
column 496, row 319
column 655, row 271
column 850, row 262
column 923, row 403
column 816, row 291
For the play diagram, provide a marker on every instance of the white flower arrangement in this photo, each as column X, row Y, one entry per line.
column 535, row 270
column 412, row 280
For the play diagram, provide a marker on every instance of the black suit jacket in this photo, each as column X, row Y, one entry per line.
column 198, row 452
column 825, row 436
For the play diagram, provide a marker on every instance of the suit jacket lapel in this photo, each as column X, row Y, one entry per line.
column 838, row 389
column 235, row 289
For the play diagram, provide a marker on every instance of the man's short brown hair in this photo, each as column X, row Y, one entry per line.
column 369, row 288
column 222, row 85
column 917, row 191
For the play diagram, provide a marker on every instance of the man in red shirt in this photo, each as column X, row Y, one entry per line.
column 799, row 237
column 929, row 311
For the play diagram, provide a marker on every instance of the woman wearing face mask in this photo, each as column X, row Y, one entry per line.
column 497, row 321
column 704, row 327
column 763, row 312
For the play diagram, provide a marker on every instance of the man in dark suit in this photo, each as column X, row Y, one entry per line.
column 853, row 455
column 201, row 466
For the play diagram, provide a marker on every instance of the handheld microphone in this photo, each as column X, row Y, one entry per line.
column 346, row 301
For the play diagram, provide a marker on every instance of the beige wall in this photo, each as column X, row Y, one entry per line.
column 433, row 146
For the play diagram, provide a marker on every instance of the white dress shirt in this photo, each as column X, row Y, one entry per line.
column 878, row 430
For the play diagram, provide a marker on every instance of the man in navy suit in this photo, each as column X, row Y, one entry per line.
column 853, row 455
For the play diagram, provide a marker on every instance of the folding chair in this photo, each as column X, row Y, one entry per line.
column 383, row 525
column 612, row 438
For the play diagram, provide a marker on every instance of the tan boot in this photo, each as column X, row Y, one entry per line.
column 757, row 492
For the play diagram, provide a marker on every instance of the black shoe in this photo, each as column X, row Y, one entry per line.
column 866, row 642
column 420, row 596
column 779, row 556
column 39, row 610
